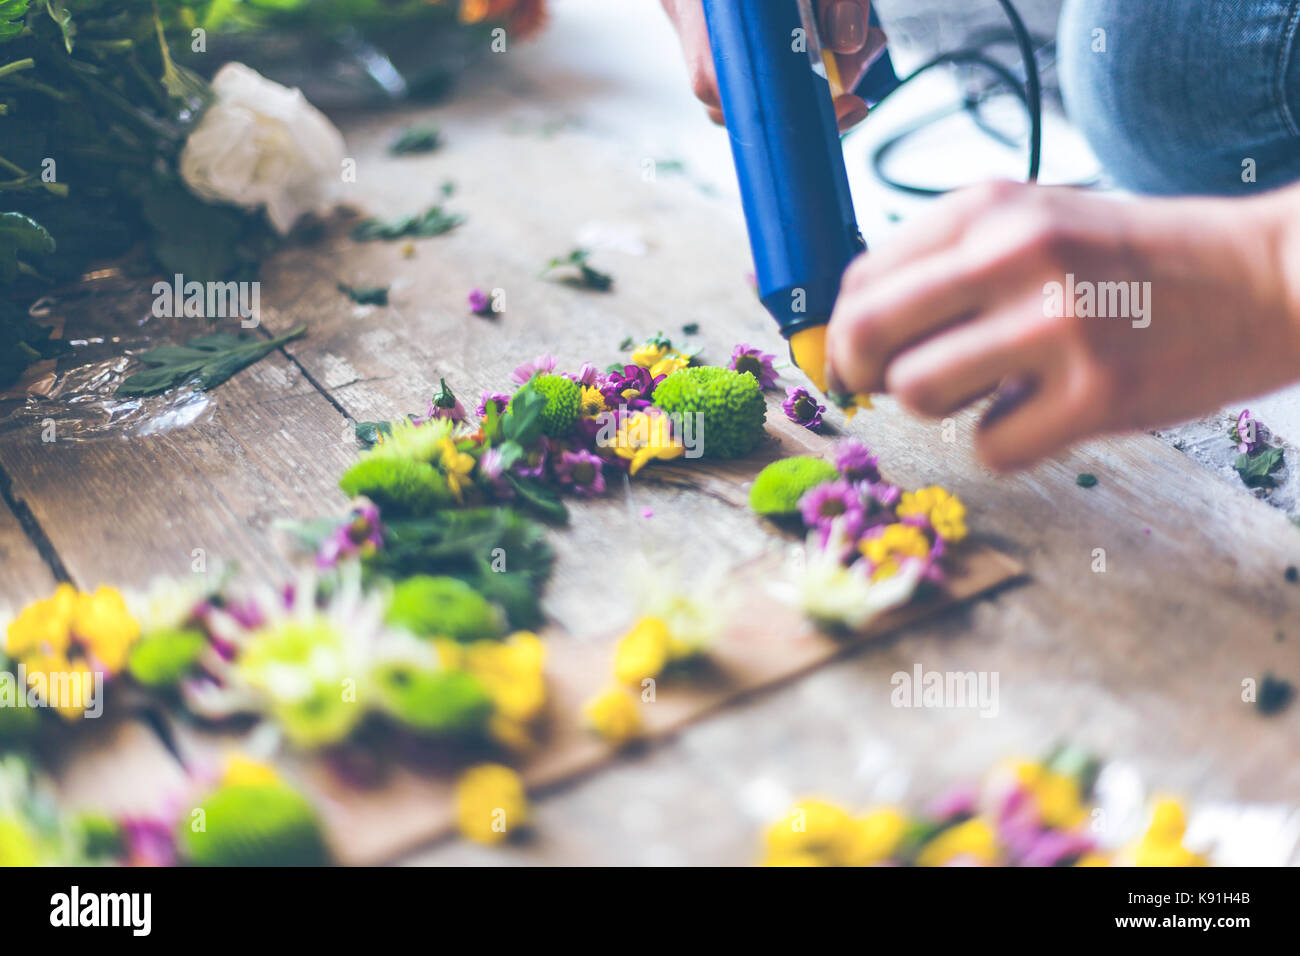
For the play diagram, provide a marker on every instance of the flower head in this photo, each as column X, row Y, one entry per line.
column 499, row 399
column 643, row 652
column 855, row 461
column 644, row 437
column 592, row 402
column 524, row 373
column 835, row 500
column 260, row 144
column 649, row 353
column 889, row 548
column 479, row 303
column 801, row 408
column 361, row 534
column 445, row 404
column 582, row 472
column 1246, row 432
column 944, row 511
column 760, row 364
column 633, row 387
column 671, row 362
column 456, row 465
column 490, row 803
column 614, row 715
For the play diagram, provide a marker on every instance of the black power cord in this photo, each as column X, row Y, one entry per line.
column 1029, row 92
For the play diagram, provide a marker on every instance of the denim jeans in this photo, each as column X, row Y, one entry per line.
column 1176, row 96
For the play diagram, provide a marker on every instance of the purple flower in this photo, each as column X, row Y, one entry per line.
column 959, row 802
column 1247, row 432
column 1053, row 847
column 855, row 461
column 500, row 399
column 533, row 464
column 524, row 373
column 491, row 467
column 479, row 303
column 587, row 375
column 582, row 472
column 633, row 387
column 760, row 364
column 802, row 409
column 445, row 404
column 149, row 842
column 822, row 505
column 360, row 534
column 884, row 494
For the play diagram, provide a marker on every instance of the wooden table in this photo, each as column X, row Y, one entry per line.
column 1143, row 662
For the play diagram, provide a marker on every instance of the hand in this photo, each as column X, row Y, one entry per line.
column 966, row 300
column 843, row 30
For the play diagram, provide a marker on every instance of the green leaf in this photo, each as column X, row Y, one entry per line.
column 365, row 294
column 1257, row 470
column 20, row 236
column 13, row 16
column 368, row 432
column 522, row 421
column 433, row 222
column 587, row 277
column 1086, row 480
column 63, row 17
column 539, row 498
column 208, row 360
column 415, row 140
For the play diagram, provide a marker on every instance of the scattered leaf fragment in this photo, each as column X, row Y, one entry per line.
column 207, row 360
column 365, row 294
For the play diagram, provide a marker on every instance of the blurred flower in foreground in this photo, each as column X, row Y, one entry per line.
column 490, row 804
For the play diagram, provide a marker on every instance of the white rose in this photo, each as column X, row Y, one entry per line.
column 262, row 144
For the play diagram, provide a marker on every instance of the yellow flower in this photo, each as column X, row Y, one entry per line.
column 945, row 511
column 896, row 542
column 671, row 362
column 643, row 437
column 814, row 830
column 1060, row 803
column 876, row 836
column 17, row 848
column 643, row 652
column 241, row 770
column 104, row 626
column 1163, row 843
column 514, row 735
column 511, row 673
column 456, row 465
column 648, row 354
column 592, row 402
column 43, row 626
column 1092, row 860
column 68, row 686
column 614, row 715
column 972, row 840
column 490, row 803
column 797, row 860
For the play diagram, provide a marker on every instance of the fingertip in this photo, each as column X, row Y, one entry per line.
column 850, row 110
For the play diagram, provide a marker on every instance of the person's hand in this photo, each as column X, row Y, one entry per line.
column 974, row 297
column 843, row 30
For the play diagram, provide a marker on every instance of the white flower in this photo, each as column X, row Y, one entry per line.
column 838, row 597
column 262, row 144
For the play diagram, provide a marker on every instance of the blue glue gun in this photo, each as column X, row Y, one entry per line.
column 777, row 87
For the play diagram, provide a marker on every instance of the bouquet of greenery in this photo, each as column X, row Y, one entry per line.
column 115, row 136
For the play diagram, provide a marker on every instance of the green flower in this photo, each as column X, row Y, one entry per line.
column 432, row 701
column 779, row 486
column 253, row 825
column 443, row 607
column 731, row 404
column 563, row 403
column 412, row 487
column 162, row 658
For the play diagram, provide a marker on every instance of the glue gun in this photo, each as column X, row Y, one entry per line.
column 777, row 86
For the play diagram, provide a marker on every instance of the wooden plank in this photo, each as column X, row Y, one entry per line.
column 191, row 499
column 24, row 574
